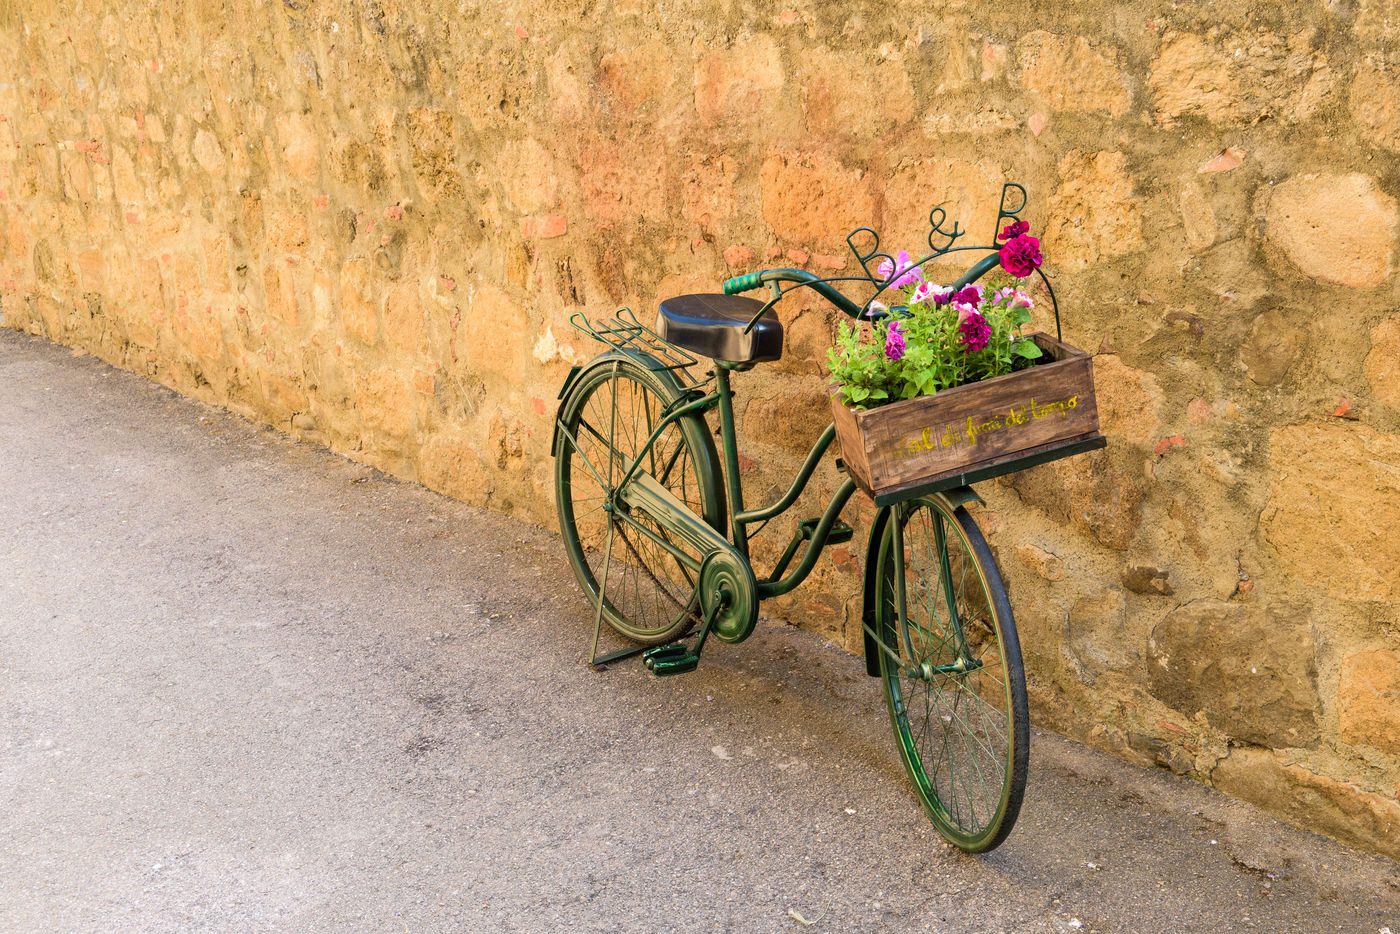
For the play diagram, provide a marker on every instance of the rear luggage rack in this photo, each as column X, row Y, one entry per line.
column 625, row 332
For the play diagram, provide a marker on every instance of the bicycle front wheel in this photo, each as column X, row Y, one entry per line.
column 951, row 666
column 610, row 415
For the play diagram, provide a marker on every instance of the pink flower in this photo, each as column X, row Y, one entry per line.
column 908, row 274
column 926, row 292
column 1014, row 298
column 1014, row 230
column 974, row 331
column 894, row 341
column 1021, row 255
column 970, row 295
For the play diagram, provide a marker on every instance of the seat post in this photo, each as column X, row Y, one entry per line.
column 729, row 438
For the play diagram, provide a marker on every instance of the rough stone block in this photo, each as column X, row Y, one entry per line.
column 1273, row 344
column 1070, row 74
column 1368, row 700
column 1382, row 366
column 1334, row 506
column 737, row 82
column 1252, row 670
column 1094, row 214
column 300, row 141
column 1040, row 561
column 1301, row 221
column 1311, row 801
column 404, row 322
column 811, row 198
column 450, row 464
column 384, row 402
column 1091, row 492
column 791, row 420
column 1128, row 400
column 848, row 95
column 1375, row 103
column 1145, row 579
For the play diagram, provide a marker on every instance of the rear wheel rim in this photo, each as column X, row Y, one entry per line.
column 650, row 596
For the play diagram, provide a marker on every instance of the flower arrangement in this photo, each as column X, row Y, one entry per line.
column 938, row 338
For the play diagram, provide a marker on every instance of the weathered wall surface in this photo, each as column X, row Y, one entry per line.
column 366, row 222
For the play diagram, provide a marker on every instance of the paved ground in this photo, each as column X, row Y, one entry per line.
column 248, row 685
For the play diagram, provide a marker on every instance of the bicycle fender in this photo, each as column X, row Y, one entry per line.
column 869, row 596
column 961, row 496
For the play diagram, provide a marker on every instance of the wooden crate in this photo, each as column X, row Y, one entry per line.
column 975, row 431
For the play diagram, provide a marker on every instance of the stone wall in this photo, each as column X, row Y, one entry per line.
column 367, row 222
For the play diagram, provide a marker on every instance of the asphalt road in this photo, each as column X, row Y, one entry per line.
column 249, row 685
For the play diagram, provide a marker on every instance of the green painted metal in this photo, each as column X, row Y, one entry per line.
column 729, row 593
column 945, row 574
column 671, row 660
column 645, row 494
column 806, row 530
column 820, row 537
column 729, row 445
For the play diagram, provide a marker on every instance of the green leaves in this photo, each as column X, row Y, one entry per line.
column 934, row 357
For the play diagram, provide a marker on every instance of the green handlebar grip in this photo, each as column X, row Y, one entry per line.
column 743, row 283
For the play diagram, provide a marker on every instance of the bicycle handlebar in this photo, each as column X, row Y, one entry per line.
column 743, row 283
column 819, row 285
column 754, row 280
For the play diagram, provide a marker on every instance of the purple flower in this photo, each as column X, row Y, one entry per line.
column 974, row 331
column 894, row 341
column 1021, row 255
column 970, row 295
column 1012, row 231
column 908, row 275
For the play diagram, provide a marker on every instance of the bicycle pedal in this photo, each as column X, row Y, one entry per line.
column 664, row 652
column 840, row 531
column 677, row 665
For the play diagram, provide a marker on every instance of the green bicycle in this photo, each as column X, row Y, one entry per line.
column 658, row 537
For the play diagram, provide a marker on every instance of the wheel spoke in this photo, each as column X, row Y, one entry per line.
column 962, row 732
column 650, row 595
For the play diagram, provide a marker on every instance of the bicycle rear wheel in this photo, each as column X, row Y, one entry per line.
column 611, row 412
column 957, row 691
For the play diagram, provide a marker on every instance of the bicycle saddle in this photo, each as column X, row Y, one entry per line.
column 713, row 326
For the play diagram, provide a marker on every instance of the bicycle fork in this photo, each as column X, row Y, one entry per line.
column 915, row 667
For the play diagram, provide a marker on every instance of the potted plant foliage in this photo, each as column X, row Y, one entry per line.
column 941, row 382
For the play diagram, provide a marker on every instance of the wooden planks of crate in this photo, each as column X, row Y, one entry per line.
column 975, row 431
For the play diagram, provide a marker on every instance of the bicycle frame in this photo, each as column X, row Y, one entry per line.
column 677, row 521
column 740, row 519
